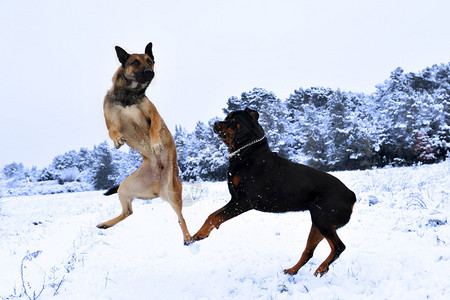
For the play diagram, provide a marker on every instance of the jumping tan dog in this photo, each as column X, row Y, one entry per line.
column 132, row 119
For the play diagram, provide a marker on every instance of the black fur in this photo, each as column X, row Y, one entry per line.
column 111, row 191
column 260, row 179
column 122, row 55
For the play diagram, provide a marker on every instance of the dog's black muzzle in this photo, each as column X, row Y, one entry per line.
column 145, row 75
column 218, row 127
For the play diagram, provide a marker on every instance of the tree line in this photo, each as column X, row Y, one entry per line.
column 97, row 169
column 405, row 121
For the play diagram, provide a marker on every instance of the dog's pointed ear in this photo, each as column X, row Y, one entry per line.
column 253, row 113
column 148, row 51
column 122, row 55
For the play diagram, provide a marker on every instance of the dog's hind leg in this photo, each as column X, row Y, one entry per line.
column 337, row 247
column 125, row 201
column 173, row 195
column 138, row 185
column 314, row 239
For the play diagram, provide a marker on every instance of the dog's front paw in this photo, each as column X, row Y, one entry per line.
column 157, row 148
column 200, row 236
column 119, row 142
column 291, row 271
column 103, row 226
column 322, row 270
column 189, row 241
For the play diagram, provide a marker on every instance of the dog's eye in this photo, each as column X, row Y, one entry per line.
column 136, row 63
column 149, row 61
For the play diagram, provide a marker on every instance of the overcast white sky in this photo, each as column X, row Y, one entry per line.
column 58, row 58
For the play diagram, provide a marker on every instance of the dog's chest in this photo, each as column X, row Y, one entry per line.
column 132, row 117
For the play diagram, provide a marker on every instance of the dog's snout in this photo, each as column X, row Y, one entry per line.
column 145, row 75
column 149, row 73
column 217, row 127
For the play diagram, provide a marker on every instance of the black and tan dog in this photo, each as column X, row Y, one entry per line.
column 260, row 179
column 131, row 118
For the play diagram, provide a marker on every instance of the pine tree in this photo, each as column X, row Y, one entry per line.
column 442, row 96
column 14, row 170
column 316, row 144
column 104, row 171
column 84, row 159
column 65, row 161
column 424, row 148
column 339, row 132
column 362, row 137
column 297, row 123
column 181, row 144
column 398, row 113
column 203, row 157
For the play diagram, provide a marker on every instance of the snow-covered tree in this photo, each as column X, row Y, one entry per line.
column 104, row 171
column 14, row 170
column 201, row 155
column 405, row 121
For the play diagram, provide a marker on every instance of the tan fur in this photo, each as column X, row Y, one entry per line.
column 140, row 126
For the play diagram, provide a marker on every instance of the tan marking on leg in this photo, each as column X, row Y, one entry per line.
column 314, row 239
column 337, row 247
column 211, row 222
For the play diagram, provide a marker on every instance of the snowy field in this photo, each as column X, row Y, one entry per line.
column 398, row 245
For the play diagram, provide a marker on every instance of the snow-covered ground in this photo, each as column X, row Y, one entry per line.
column 398, row 245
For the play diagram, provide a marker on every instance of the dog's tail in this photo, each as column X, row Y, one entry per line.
column 112, row 190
